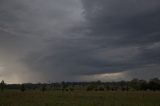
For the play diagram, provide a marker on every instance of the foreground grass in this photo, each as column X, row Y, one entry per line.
column 79, row 98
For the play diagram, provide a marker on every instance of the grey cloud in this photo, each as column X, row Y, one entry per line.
column 119, row 26
column 28, row 29
column 113, row 39
column 66, row 40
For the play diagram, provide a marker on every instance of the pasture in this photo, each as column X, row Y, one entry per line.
column 80, row 98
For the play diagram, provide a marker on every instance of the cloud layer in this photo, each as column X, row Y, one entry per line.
column 76, row 40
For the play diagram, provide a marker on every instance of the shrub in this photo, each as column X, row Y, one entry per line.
column 23, row 88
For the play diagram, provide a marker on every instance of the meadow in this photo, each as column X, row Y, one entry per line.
column 80, row 98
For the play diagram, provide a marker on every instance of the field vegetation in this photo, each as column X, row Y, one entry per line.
column 80, row 98
column 123, row 93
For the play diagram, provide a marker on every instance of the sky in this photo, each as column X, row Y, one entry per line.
column 79, row 40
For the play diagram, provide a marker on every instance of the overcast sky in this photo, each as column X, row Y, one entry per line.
column 79, row 40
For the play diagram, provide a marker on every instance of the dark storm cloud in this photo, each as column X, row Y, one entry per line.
column 67, row 40
column 126, row 22
column 125, row 30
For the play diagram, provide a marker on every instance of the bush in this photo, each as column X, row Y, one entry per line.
column 23, row 88
column 2, row 85
column 43, row 88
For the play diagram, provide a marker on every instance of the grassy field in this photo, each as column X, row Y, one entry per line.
column 79, row 98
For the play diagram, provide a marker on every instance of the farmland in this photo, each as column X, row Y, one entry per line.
column 79, row 98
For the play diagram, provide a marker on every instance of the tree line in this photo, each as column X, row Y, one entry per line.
column 133, row 85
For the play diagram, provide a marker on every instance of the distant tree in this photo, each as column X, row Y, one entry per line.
column 135, row 84
column 71, row 89
column 89, row 88
column 2, row 85
column 23, row 88
column 98, row 82
column 63, row 86
column 101, row 88
column 107, row 87
column 154, row 84
column 143, row 85
column 43, row 88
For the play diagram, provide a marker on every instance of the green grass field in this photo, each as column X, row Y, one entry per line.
column 79, row 98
